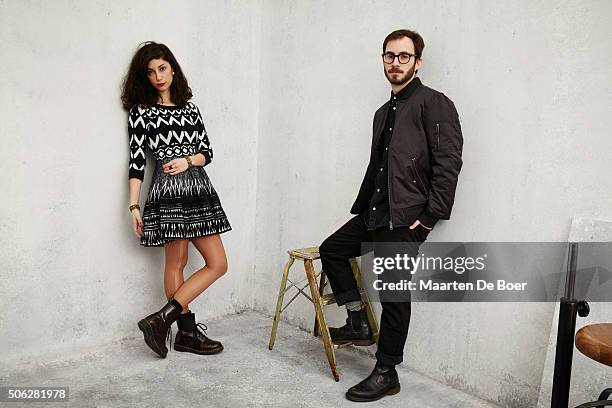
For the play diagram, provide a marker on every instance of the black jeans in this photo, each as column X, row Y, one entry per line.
column 345, row 243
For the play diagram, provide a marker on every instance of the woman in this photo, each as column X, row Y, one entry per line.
column 182, row 204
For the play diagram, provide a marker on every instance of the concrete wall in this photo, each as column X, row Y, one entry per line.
column 530, row 81
column 288, row 90
column 72, row 268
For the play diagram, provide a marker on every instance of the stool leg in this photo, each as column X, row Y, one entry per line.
column 279, row 301
column 316, row 297
column 369, row 308
column 321, row 289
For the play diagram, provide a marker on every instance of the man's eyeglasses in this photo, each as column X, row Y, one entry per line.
column 403, row 58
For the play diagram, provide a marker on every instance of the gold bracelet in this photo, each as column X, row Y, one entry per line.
column 134, row 206
column 189, row 163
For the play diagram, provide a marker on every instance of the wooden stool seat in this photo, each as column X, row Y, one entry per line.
column 311, row 253
column 319, row 300
column 595, row 342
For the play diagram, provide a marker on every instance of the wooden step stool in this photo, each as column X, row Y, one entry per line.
column 308, row 255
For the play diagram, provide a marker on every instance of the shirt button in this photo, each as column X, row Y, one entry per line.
column 374, row 208
column 414, row 181
column 381, row 169
column 378, row 190
column 394, row 108
column 387, row 148
column 390, row 128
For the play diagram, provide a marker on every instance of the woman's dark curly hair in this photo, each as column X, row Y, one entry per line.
column 136, row 86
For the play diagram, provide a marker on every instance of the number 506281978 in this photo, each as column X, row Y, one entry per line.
column 33, row 393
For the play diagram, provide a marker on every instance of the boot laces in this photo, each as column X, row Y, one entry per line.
column 203, row 327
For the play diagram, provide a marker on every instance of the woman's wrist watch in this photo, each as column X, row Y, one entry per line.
column 134, row 206
column 189, row 163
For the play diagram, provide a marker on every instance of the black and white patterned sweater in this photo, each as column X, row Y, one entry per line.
column 168, row 131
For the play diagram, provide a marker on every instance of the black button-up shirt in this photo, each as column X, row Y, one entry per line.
column 378, row 214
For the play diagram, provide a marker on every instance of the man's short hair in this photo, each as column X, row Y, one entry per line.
column 416, row 38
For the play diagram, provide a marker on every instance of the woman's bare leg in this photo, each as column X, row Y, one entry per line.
column 176, row 260
column 211, row 249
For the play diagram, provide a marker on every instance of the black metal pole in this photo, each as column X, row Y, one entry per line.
column 570, row 278
column 566, row 329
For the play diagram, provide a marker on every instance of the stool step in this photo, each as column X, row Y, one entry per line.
column 328, row 299
column 341, row 344
column 305, row 253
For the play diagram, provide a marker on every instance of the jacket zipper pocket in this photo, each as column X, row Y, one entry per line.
column 437, row 135
column 389, row 197
column 416, row 173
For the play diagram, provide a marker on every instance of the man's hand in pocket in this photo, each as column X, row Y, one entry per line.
column 417, row 223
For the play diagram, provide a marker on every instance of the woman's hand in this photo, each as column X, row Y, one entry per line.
column 175, row 166
column 137, row 224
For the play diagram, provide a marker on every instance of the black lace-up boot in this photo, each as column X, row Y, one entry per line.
column 156, row 327
column 356, row 330
column 189, row 338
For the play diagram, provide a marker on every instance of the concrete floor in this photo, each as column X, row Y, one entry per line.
column 245, row 374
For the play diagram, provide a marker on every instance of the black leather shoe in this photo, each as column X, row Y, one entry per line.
column 189, row 338
column 156, row 326
column 381, row 382
column 356, row 330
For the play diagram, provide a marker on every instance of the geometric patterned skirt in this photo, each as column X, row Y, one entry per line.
column 185, row 205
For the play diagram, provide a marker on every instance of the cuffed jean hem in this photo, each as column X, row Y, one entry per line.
column 387, row 359
column 348, row 296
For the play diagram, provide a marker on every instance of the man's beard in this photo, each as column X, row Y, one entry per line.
column 403, row 79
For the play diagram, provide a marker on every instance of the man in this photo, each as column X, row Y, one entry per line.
column 408, row 186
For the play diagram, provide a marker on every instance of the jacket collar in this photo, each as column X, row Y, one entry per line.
column 407, row 90
column 402, row 96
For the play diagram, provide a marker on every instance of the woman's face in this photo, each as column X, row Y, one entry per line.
column 159, row 72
